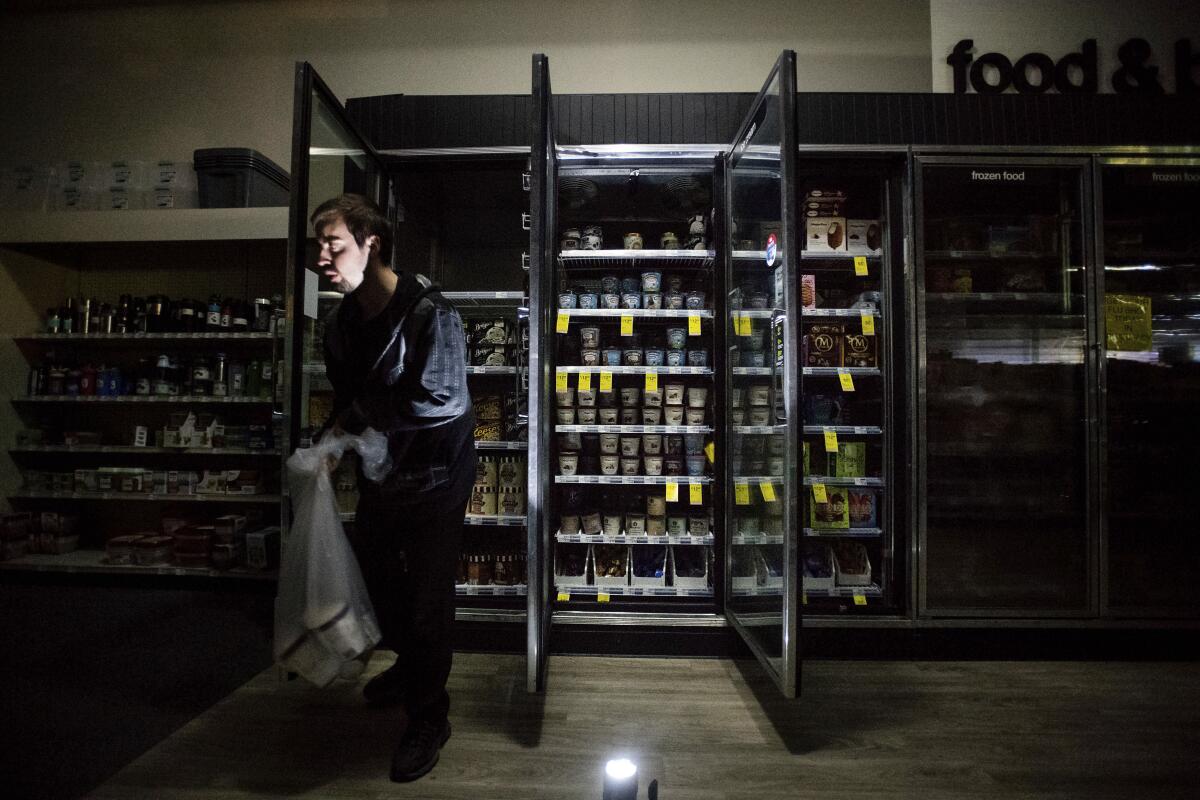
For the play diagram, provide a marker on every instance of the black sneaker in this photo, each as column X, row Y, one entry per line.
column 419, row 748
column 386, row 688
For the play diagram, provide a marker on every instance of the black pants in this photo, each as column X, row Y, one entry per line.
column 409, row 557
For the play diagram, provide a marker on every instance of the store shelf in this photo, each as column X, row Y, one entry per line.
column 852, row 430
column 853, row 313
column 829, row 480
column 755, row 480
column 467, row 590
column 637, row 370
column 634, row 591
column 487, row 299
column 615, row 259
column 148, row 338
column 633, row 480
column 837, row 591
column 756, row 313
column 843, row 533
column 155, row 225
column 757, row 591
column 639, row 313
column 765, row 372
column 833, row 372
column 583, row 538
column 740, row 539
column 96, row 562
column 148, row 498
column 756, row 255
column 753, row 430
column 493, row 370
column 482, row 445
column 138, row 398
column 499, row 520
column 808, row 255
column 632, row 429
column 132, row 450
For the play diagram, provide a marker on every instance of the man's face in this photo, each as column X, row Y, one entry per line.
column 342, row 260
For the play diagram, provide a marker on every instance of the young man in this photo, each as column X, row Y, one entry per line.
column 395, row 354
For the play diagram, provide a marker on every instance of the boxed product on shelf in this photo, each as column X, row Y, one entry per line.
column 689, row 567
column 228, row 526
column 850, row 461
column 818, row 566
column 825, row 234
column 243, row 481
column 823, row 344
column 610, row 564
column 852, row 566
column 571, row 564
column 808, row 291
column 864, row 237
column 15, row 532
column 863, row 508
column 153, row 550
column 770, row 565
column 120, row 549
column 835, row 513
column 87, row 480
column 649, row 566
column 193, row 545
column 858, row 350
column 212, row 481
column 226, row 555
column 262, row 548
column 743, row 569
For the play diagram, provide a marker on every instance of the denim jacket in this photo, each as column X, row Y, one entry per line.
column 416, row 393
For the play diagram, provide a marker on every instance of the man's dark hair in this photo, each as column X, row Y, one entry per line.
column 363, row 218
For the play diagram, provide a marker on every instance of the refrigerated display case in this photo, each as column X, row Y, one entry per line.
column 1149, row 213
column 851, row 343
column 1004, row 395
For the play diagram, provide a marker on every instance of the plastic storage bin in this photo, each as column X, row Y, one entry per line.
column 236, row 177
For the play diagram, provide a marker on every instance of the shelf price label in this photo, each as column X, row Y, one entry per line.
column 804, row 598
column 831, row 442
column 693, row 324
column 672, row 492
column 695, row 494
column 768, row 490
column 710, row 450
column 563, row 322
column 819, row 493
column 743, row 325
column 860, row 599
column 860, row 266
column 741, row 494
column 560, row 381
column 627, row 325
column 845, row 377
column 585, row 381
column 651, row 381
column 605, row 381
column 564, row 597
column 868, row 323
column 602, row 597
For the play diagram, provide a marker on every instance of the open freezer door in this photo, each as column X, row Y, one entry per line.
column 543, row 202
column 329, row 157
column 762, row 381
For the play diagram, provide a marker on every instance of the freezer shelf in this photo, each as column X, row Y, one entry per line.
column 137, row 398
column 501, row 520
column 467, row 590
column 149, row 498
column 95, row 562
column 871, row 590
column 583, row 538
column 134, row 338
column 857, row 430
column 123, row 449
column 634, row 370
column 829, row 480
column 642, row 313
column 634, row 591
column 611, row 259
column 632, row 429
column 844, row 533
column 632, row 480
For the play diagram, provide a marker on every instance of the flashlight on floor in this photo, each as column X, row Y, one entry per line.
column 620, row 780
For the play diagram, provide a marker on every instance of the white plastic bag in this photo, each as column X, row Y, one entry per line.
column 325, row 627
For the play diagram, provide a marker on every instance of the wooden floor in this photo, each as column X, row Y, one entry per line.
column 712, row 729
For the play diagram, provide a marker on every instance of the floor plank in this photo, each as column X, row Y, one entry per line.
column 709, row 729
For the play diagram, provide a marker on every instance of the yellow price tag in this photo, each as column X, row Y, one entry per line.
column 605, row 381
column 746, row 326
column 602, row 597
column 626, row 325
column 710, row 450
column 868, row 323
column 831, row 441
column 564, row 597
column 741, row 494
column 845, row 377
column 585, row 381
column 768, row 490
column 860, row 266
column 564, row 321
column 651, row 381
column 819, row 493
column 560, row 381
column 696, row 494
column 860, row 599
column 693, row 324
column 672, row 492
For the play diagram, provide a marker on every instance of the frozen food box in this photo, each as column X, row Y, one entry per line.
column 853, row 567
column 824, row 345
column 835, row 513
column 858, row 350
column 863, row 511
column 825, row 234
column 850, row 461
column 864, row 237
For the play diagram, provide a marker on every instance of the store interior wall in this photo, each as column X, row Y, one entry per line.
column 1017, row 27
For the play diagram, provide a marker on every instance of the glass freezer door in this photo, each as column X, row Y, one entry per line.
column 329, row 157
column 543, row 199
column 762, row 381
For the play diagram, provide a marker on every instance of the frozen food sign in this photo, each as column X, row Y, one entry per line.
column 1071, row 73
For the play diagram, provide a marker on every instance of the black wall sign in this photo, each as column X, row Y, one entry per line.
column 1074, row 73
